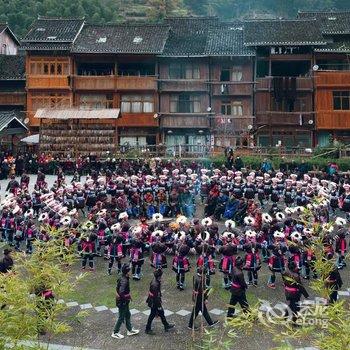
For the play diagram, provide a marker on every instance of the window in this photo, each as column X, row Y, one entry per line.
column 52, row 100
column 341, row 100
column 237, row 74
column 237, row 108
column 225, row 74
column 185, row 103
column 137, row 104
column 226, row 108
column 184, row 71
column 231, row 74
column 59, row 66
column 96, row 101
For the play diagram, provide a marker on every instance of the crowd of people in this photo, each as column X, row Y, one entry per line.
column 136, row 211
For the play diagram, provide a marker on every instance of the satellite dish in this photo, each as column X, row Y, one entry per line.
column 250, row 127
column 209, row 109
column 26, row 121
column 315, row 67
column 310, row 122
column 155, row 116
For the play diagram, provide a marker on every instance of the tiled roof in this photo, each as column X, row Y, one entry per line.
column 53, row 30
column 282, row 32
column 227, row 41
column 137, row 39
column 332, row 22
column 188, row 35
column 6, row 117
column 336, row 47
column 46, row 46
column 12, row 67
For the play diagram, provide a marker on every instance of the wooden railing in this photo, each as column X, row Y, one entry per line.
column 107, row 82
column 48, row 82
column 12, row 98
column 272, row 118
column 138, row 120
column 232, row 88
column 232, row 124
column 267, row 83
column 136, row 83
column 184, row 121
column 183, row 85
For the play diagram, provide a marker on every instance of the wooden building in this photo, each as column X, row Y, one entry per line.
column 9, row 43
column 332, row 77
column 231, row 84
column 284, row 83
column 190, row 82
column 115, row 66
column 185, row 113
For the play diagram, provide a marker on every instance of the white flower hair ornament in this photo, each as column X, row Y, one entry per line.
column 157, row 233
column 207, row 222
column 123, row 215
column 43, row 217
column 299, row 210
column 296, row 236
column 29, row 213
column 116, row 227
column 66, row 220
column 181, row 219
column 266, row 218
column 280, row 216
column 289, row 211
column 249, row 221
column 340, row 221
column 230, row 224
column 137, row 230
column 88, row 226
column 157, row 217
column 279, row 234
column 250, row 234
column 228, row 235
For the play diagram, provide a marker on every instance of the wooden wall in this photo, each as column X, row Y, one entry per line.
column 326, row 116
column 7, row 45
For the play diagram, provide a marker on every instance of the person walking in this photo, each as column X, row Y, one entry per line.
column 238, row 289
column 200, row 297
column 123, row 299
column 293, row 289
column 154, row 301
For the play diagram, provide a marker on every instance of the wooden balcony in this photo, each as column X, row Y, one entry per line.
column 13, row 98
column 302, row 84
column 229, row 88
column 48, row 82
column 137, row 120
column 225, row 124
column 332, row 79
column 272, row 118
column 181, row 85
column 107, row 82
column 136, row 83
column 180, row 120
column 339, row 120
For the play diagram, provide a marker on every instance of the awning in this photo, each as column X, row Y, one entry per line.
column 46, row 113
column 31, row 139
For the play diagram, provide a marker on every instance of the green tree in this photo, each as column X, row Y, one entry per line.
column 24, row 312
